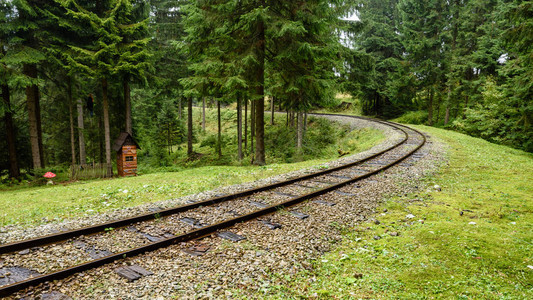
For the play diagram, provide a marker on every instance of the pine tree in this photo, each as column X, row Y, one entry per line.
column 519, row 71
column 423, row 24
column 115, row 47
column 302, row 52
column 6, row 15
column 23, row 37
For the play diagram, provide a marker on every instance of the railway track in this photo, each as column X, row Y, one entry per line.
column 78, row 250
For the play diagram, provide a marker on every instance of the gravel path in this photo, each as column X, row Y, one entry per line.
column 246, row 265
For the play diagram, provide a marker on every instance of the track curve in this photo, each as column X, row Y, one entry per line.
column 409, row 144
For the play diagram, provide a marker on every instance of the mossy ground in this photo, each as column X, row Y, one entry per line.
column 485, row 252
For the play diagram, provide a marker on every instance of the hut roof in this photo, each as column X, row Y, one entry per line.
column 124, row 139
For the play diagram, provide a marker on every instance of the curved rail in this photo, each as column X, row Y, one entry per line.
column 65, row 235
column 9, row 289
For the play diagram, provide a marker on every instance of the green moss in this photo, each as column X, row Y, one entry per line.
column 446, row 256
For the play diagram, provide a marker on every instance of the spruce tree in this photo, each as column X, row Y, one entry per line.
column 115, row 48
column 423, row 24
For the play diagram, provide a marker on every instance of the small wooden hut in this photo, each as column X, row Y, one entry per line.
column 126, row 148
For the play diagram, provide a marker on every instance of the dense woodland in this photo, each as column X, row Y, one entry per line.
column 75, row 73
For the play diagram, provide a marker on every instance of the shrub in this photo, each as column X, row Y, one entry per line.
column 413, row 117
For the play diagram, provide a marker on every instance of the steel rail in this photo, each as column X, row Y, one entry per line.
column 12, row 288
column 65, row 235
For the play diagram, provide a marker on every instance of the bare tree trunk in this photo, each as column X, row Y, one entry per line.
column 305, row 123
column 448, row 101
column 260, row 92
column 219, row 137
column 430, row 107
column 168, row 139
column 252, row 126
column 81, row 134
column 239, row 127
column 291, row 118
column 439, row 100
column 300, row 132
column 272, row 111
column 245, row 124
column 189, row 127
column 107, row 133
column 100, row 139
column 34, row 118
column 180, row 109
column 127, row 104
column 14, row 170
column 203, row 113
column 71, row 122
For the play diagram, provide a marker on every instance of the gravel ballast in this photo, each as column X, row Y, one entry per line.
column 246, row 265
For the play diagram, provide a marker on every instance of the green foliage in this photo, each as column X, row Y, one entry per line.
column 495, row 120
column 25, row 203
column 413, row 117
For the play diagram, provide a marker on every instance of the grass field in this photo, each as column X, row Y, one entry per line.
column 475, row 241
column 40, row 204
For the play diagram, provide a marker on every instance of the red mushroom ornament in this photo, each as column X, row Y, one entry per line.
column 49, row 176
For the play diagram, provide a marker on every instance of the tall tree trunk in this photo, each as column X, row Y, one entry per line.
column 260, row 102
column 81, row 134
column 305, row 123
column 100, row 139
column 272, row 110
column 34, row 118
column 448, row 103
column 245, row 124
column 203, row 113
column 14, row 170
column 189, row 127
column 107, row 133
column 180, row 109
column 437, row 113
column 71, row 122
column 239, row 127
column 300, row 131
column 252, row 127
column 430, row 107
column 127, row 104
column 291, row 119
column 168, row 139
column 219, row 137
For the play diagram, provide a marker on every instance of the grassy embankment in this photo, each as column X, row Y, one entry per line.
column 34, row 205
column 475, row 241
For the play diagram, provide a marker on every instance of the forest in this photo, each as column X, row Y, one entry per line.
column 76, row 73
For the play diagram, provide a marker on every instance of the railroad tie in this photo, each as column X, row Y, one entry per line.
column 192, row 222
column 344, row 193
column 270, row 224
column 338, row 176
column 10, row 275
column 299, row 215
column 285, row 194
column 258, row 204
column 324, row 202
column 197, row 250
column 227, row 235
column 133, row 272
